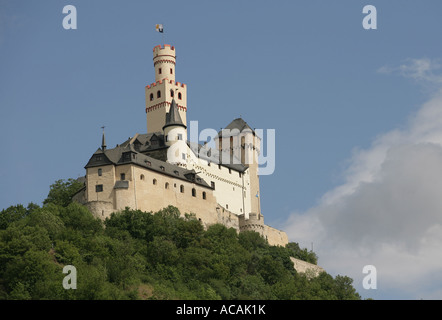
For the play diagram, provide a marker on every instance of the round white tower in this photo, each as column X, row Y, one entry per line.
column 175, row 135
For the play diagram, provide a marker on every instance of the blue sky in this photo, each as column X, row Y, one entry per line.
column 343, row 100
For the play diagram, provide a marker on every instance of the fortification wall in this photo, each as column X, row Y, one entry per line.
column 311, row 270
column 100, row 209
column 227, row 218
column 275, row 237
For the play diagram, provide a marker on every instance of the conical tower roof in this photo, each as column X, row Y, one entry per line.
column 173, row 117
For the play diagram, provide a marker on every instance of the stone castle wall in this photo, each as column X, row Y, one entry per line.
column 147, row 190
column 311, row 270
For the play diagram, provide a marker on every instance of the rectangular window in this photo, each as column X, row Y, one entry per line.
column 159, row 70
column 180, row 136
column 123, row 176
column 100, row 172
column 99, row 188
column 171, row 71
column 212, row 184
column 183, row 155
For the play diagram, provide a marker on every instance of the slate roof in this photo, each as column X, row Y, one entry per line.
column 239, row 124
column 173, row 117
column 215, row 156
column 126, row 153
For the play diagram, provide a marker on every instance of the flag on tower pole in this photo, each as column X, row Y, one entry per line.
column 159, row 28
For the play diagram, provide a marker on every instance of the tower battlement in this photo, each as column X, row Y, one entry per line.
column 255, row 222
column 160, row 48
column 178, row 84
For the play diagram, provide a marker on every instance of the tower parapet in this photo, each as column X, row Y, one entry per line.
column 255, row 222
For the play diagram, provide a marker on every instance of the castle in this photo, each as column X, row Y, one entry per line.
column 159, row 168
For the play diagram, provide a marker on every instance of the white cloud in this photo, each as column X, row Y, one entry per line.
column 423, row 69
column 388, row 212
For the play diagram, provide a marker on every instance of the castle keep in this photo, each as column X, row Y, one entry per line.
column 161, row 167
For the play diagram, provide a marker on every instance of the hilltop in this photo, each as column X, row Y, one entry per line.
column 145, row 255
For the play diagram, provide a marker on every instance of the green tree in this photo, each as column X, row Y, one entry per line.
column 302, row 254
column 344, row 289
column 48, row 219
column 12, row 214
column 62, row 191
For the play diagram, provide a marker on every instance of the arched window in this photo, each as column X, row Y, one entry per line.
column 158, row 94
column 166, row 185
column 142, row 177
column 154, row 181
column 159, row 70
column 181, row 188
column 193, row 192
column 151, row 96
column 171, row 93
column 204, row 195
column 179, row 95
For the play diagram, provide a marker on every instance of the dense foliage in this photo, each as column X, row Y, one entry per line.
column 144, row 255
